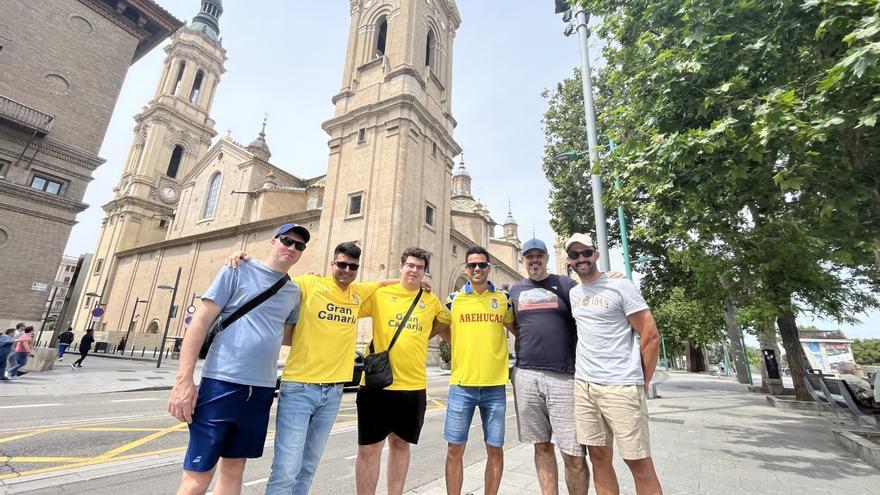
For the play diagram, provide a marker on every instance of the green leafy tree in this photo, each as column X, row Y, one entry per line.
column 748, row 156
column 866, row 351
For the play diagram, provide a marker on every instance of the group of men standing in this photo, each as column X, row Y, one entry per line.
column 574, row 384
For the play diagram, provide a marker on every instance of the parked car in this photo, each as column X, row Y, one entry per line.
column 355, row 377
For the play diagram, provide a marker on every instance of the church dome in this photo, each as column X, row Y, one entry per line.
column 208, row 19
column 259, row 147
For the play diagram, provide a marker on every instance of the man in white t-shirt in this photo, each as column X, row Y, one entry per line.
column 612, row 370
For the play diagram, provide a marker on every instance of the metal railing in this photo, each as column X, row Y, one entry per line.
column 26, row 116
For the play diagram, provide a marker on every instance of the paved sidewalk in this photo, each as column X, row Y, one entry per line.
column 98, row 375
column 711, row 436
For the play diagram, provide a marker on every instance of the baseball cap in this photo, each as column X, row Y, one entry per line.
column 534, row 244
column 581, row 238
column 296, row 229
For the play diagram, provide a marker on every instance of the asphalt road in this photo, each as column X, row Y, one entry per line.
column 126, row 443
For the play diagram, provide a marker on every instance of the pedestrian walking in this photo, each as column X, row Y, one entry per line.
column 10, row 361
column 23, row 346
column 6, row 343
column 85, row 345
column 64, row 341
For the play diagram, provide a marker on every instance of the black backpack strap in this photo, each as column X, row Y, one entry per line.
column 253, row 303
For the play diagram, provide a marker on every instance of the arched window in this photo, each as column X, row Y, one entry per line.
column 174, row 163
column 197, row 87
column 381, row 36
column 429, row 49
column 179, row 77
column 211, row 197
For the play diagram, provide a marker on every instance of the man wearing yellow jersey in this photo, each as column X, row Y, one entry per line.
column 396, row 412
column 476, row 318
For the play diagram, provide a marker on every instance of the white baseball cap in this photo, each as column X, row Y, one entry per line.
column 581, row 238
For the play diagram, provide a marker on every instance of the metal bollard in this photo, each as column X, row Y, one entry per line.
column 652, row 393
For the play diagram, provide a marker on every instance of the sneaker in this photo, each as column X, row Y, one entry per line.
column 73, row 366
column 61, row 359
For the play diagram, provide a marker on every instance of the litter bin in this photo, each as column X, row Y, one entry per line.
column 101, row 347
column 771, row 364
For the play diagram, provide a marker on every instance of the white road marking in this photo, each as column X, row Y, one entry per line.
column 135, row 400
column 21, row 406
column 384, row 449
column 256, row 482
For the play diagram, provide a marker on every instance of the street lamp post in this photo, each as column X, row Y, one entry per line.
column 171, row 313
column 94, row 307
column 580, row 24
column 131, row 320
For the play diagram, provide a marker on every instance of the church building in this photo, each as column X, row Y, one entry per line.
column 186, row 200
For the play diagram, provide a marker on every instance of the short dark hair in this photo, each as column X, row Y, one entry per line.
column 476, row 250
column 28, row 329
column 415, row 252
column 19, row 325
column 10, row 331
column 349, row 249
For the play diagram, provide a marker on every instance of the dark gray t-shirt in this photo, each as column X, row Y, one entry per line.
column 546, row 332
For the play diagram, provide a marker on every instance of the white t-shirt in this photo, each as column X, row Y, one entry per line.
column 607, row 351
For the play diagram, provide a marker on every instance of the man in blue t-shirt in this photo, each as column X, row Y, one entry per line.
column 229, row 415
column 543, row 379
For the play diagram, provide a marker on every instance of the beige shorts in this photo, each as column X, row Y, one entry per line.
column 605, row 412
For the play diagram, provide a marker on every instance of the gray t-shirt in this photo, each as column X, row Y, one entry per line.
column 247, row 351
column 607, row 351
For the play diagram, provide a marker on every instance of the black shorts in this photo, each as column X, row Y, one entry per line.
column 381, row 412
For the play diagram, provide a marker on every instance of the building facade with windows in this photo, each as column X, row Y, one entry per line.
column 391, row 180
column 62, row 64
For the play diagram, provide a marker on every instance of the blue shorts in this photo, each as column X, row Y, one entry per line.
column 230, row 420
column 460, row 406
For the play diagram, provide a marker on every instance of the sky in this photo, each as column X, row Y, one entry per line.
column 285, row 59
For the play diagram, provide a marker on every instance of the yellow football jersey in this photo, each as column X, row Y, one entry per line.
column 387, row 307
column 322, row 349
column 479, row 339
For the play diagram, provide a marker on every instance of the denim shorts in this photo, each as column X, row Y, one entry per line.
column 460, row 407
column 230, row 420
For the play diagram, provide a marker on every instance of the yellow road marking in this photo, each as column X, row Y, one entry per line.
column 115, row 429
column 137, row 443
column 42, row 459
column 439, row 404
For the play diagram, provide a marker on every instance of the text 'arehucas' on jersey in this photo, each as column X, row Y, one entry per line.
column 479, row 339
column 387, row 307
column 323, row 345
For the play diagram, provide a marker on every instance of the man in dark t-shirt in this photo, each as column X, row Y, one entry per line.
column 543, row 379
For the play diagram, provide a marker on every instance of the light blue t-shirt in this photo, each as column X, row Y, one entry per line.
column 247, row 351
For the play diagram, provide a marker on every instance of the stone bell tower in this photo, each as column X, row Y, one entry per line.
column 171, row 133
column 391, row 144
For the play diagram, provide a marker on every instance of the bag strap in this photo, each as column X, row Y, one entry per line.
column 401, row 325
column 253, row 303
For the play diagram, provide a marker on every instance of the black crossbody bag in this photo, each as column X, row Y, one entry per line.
column 221, row 323
column 377, row 366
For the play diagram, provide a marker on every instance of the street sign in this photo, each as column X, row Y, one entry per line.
column 39, row 286
column 190, row 309
column 98, row 312
column 188, row 319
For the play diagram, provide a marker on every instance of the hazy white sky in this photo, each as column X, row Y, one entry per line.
column 286, row 59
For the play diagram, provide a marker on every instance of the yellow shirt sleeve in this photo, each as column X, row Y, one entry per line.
column 368, row 307
column 509, row 317
column 445, row 315
column 305, row 283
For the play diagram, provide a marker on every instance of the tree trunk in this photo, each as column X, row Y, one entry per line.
column 767, row 340
column 696, row 361
column 736, row 348
column 794, row 352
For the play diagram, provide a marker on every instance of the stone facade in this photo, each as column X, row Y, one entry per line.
column 62, row 64
column 389, row 183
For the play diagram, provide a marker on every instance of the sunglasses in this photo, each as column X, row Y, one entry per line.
column 342, row 265
column 289, row 241
column 481, row 265
column 586, row 253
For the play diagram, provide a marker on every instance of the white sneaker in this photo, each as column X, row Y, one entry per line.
column 61, row 359
column 73, row 366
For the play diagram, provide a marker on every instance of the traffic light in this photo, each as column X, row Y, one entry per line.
column 561, row 6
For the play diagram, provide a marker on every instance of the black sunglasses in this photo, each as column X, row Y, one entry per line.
column 289, row 241
column 586, row 253
column 347, row 266
column 481, row 265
